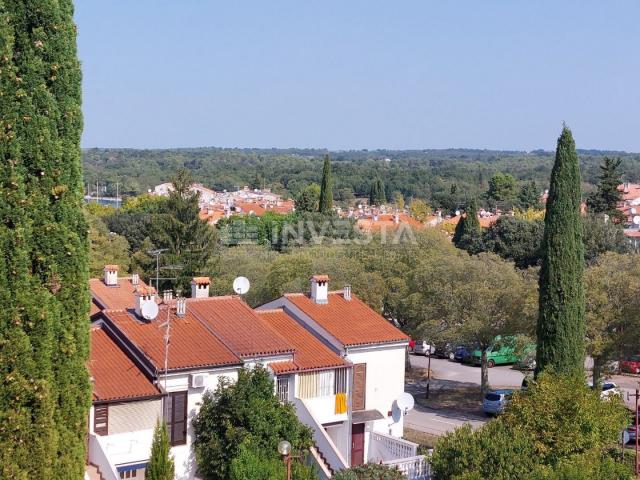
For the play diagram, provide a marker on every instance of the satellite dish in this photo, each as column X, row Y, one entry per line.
column 241, row 285
column 405, row 403
column 636, row 220
column 457, row 212
column 149, row 310
column 633, row 211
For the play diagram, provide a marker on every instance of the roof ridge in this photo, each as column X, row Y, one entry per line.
column 270, row 310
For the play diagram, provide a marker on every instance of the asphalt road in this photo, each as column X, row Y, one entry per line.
column 450, row 374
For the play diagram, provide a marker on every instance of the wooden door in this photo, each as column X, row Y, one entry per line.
column 357, row 444
column 359, row 386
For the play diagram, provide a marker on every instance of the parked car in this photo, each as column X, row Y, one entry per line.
column 527, row 360
column 501, row 352
column 494, row 402
column 462, row 353
column 444, row 350
column 631, row 365
column 422, row 347
column 608, row 389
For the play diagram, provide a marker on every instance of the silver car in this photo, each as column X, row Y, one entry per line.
column 422, row 347
column 494, row 402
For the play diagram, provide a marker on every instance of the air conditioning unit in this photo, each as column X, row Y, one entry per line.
column 197, row 380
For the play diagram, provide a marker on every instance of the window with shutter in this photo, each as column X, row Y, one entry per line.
column 101, row 419
column 177, row 418
column 359, row 386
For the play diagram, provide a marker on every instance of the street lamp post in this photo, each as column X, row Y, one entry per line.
column 284, row 449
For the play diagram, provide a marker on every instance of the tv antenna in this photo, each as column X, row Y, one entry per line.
column 241, row 285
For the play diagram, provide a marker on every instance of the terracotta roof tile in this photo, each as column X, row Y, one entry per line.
column 115, row 376
column 192, row 345
column 320, row 278
column 201, row 280
column 283, row 367
column 352, row 322
column 310, row 354
column 111, row 268
column 238, row 326
column 116, row 297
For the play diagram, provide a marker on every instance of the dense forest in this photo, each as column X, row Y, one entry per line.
column 445, row 178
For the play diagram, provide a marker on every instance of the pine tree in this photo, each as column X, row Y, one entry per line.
column 161, row 465
column 44, row 327
column 468, row 234
column 608, row 195
column 561, row 322
column 529, row 196
column 326, row 188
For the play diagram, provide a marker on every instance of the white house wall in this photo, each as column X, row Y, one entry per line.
column 385, row 382
column 183, row 455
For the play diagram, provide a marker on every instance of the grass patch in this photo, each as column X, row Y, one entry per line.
column 424, row 439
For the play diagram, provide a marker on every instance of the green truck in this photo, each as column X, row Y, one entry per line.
column 503, row 350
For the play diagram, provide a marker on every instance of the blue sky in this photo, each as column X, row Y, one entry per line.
column 360, row 74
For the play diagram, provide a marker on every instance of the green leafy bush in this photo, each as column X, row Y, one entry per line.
column 556, row 430
column 370, row 471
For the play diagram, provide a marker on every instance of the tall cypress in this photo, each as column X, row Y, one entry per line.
column 44, row 334
column 561, row 322
column 326, row 187
column 377, row 195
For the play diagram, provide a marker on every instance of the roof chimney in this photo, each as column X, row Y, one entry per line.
column 111, row 275
column 167, row 296
column 144, row 295
column 200, row 287
column 181, row 307
column 320, row 289
column 346, row 293
column 135, row 279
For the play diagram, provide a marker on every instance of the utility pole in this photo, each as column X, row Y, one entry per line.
column 167, row 338
column 157, row 253
column 636, row 395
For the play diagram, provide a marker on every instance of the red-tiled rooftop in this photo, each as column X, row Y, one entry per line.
column 192, row 345
column 238, row 326
column 351, row 322
column 310, row 354
column 115, row 376
column 115, row 297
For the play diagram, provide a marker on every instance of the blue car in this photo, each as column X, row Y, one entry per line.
column 494, row 402
column 462, row 354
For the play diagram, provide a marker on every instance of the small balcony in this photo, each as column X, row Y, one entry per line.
column 400, row 453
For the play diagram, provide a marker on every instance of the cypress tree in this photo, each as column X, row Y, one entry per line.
column 561, row 322
column 44, row 327
column 468, row 234
column 161, row 465
column 377, row 194
column 326, row 188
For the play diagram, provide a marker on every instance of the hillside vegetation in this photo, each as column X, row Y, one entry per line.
column 445, row 178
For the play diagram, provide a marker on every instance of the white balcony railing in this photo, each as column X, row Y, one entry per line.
column 414, row 468
column 383, row 447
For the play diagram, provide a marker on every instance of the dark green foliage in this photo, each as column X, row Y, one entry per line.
column 503, row 188
column 557, row 427
column 425, row 174
column 308, row 198
column 561, row 324
column 370, row 471
column 600, row 236
column 161, row 465
column 191, row 243
column 607, row 197
column 529, row 196
column 44, row 328
column 244, row 419
column 516, row 239
column 468, row 234
column 377, row 194
column 326, row 188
